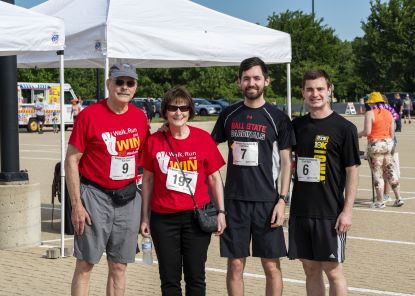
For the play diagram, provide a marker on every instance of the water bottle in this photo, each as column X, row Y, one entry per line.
column 146, row 247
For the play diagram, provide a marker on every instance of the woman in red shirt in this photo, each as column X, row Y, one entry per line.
column 379, row 129
column 179, row 242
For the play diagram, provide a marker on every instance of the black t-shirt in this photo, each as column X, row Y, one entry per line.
column 332, row 140
column 255, row 136
column 396, row 105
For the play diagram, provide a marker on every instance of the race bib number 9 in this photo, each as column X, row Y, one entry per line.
column 245, row 153
column 308, row 169
column 177, row 182
column 122, row 168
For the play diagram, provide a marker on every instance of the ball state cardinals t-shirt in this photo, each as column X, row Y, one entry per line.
column 110, row 144
column 255, row 137
column 198, row 157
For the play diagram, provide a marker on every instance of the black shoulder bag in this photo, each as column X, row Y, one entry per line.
column 208, row 215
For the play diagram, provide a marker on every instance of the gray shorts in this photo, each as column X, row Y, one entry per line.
column 114, row 228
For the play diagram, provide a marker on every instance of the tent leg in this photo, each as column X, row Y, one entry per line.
column 289, row 89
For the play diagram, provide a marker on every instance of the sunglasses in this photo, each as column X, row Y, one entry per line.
column 120, row 82
column 174, row 108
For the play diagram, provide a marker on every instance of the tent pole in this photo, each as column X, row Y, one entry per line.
column 62, row 103
column 106, row 75
column 289, row 89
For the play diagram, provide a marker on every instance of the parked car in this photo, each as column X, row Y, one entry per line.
column 142, row 104
column 203, row 107
column 222, row 102
column 86, row 103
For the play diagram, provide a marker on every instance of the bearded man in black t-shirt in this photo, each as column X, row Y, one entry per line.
column 259, row 139
column 325, row 184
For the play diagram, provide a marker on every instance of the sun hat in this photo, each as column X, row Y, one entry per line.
column 40, row 97
column 118, row 70
column 375, row 97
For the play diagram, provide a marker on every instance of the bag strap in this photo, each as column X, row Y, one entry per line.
column 184, row 176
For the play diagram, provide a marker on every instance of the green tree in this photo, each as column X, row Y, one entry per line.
column 314, row 45
column 385, row 55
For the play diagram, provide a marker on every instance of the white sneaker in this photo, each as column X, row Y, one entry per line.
column 377, row 205
column 387, row 198
column 398, row 203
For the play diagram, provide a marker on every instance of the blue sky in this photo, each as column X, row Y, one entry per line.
column 344, row 16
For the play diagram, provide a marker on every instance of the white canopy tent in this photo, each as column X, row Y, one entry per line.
column 23, row 31
column 157, row 34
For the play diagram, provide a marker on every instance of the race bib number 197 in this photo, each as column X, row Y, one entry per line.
column 177, row 182
column 308, row 169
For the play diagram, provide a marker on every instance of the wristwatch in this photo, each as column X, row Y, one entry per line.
column 285, row 198
column 223, row 212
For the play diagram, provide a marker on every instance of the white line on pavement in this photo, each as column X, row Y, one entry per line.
column 41, row 151
column 41, row 158
column 286, row 280
column 405, row 178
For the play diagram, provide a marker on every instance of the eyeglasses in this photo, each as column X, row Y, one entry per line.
column 120, row 82
column 174, row 108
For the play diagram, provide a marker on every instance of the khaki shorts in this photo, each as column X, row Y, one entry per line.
column 114, row 228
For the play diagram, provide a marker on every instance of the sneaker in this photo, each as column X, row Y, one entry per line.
column 377, row 205
column 386, row 198
column 398, row 203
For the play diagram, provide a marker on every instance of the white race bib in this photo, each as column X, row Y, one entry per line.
column 308, row 169
column 175, row 180
column 122, row 168
column 245, row 153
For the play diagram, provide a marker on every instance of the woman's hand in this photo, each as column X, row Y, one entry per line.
column 145, row 229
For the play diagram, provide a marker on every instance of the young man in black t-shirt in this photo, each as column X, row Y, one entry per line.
column 327, row 160
column 259, row 139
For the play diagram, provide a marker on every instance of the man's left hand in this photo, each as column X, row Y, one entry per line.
column 343, row 223
column 278, row 214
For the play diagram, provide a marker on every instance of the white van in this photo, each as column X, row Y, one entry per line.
column 27, row 93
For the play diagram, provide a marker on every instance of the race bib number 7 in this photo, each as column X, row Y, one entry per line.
column 245, row 153
column 308, row 169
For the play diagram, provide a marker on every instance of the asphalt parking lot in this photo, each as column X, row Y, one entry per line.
column 380, row 253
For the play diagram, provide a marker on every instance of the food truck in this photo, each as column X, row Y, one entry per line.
column 27, row 94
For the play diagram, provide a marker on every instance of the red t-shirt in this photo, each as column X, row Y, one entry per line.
column 110, row 144
column 197, row 153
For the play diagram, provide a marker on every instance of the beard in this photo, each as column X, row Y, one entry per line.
column 253, row 96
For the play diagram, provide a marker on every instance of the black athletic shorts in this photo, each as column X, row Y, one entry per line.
column 246, row 220
column 40, row 118
column 315, row 239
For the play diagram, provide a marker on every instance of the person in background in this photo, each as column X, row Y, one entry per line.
column 259, row 138
column 379, row 130
column 179, row 242
column 40, row 113
column 104, row 149
column 407, row 108
column 324, row 190
column 397, row 105
column 76, row 108
column 55, row 120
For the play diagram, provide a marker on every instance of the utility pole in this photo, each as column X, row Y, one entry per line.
column 312, row 8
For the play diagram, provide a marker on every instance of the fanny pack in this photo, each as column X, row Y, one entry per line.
column 120, row 196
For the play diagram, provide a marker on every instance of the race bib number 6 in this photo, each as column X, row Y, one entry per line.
column 308, row 169
column 245, row 153
column 177, row 182
column 122, row 168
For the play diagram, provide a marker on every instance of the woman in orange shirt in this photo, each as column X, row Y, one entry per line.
column 379, row 130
